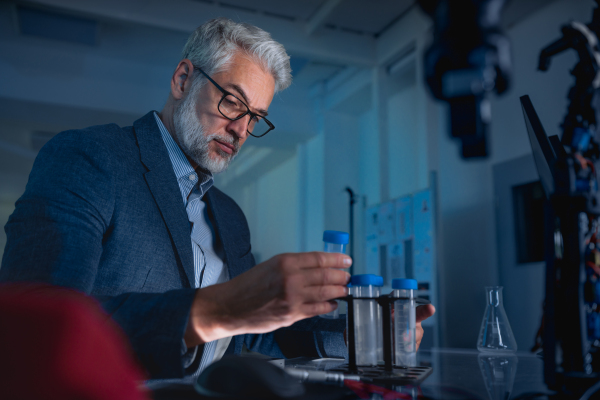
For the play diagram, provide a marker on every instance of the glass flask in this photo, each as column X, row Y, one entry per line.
column 498, row 372
column 495, row 334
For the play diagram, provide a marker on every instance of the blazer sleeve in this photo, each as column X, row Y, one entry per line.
column 55, row 235
column 313, row 337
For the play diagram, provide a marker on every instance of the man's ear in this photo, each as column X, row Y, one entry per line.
column 181, row 80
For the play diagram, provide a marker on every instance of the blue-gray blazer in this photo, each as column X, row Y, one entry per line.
column 102, row 213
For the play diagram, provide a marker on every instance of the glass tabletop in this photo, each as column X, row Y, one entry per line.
column 456, row 374
column 461, row 373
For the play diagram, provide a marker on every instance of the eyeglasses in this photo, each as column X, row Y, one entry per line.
column 233, row 109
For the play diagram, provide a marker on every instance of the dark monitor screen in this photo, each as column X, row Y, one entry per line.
column 543, row 154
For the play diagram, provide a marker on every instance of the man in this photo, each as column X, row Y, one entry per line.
column 130, row 216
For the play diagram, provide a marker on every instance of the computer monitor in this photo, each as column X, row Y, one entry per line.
column 543, row 153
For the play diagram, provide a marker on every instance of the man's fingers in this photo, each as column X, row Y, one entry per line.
column 424, row 312
column 319, row 294
column 419, row 331
column 325, row 276
column 319, row 259
column 312, row 309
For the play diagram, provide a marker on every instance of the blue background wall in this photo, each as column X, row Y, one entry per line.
column 358, row 115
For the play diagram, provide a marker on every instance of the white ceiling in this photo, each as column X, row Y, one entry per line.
column 48, row 85
column 293, row 10
column 352, row 16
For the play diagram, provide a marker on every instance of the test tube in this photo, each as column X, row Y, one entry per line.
column 367, row 323
column 405, row 347
column 334, row 242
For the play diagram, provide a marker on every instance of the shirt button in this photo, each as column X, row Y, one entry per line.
column 192, row 177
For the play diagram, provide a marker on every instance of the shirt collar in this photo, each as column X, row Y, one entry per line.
column 181, row 165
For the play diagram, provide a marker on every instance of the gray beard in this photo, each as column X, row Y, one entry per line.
column 194, row 141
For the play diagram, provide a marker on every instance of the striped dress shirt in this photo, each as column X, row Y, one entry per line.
column 209, row 267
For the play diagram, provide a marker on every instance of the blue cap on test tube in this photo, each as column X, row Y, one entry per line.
column 366, row 280
column 336, row 237
column 335, row 241
column 401, row 283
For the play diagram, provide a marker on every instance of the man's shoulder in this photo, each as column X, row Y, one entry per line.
column 107, row 135
column 109, row 141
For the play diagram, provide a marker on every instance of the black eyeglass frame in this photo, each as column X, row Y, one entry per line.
column 227, row 93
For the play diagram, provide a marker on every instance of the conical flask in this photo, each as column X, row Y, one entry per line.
column 495, row 334
column 498, row 372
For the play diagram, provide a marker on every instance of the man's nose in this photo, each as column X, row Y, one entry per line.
column 239, row 127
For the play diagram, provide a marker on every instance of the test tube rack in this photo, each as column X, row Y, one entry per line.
column 388, row 372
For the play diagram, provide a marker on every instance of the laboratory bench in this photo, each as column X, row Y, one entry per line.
column 456, row 374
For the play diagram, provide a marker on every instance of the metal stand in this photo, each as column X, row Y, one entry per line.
column 575, row 213
column 570, row 370
column 386, row 304
column 352, row 202
column 351, row 334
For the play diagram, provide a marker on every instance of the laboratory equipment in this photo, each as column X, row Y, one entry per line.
column 570, row 341
column 366, row 289
column 405, row 348
column 498, row 373
column 571, row 355
column 304, row 375
column 495, row 334
column 334, row 242
column 468, row 59
column 370, row 313
column 353, row 200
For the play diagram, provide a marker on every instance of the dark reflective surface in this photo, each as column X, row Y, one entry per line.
column 470, row 374
column 498, row 373
column 457, row 374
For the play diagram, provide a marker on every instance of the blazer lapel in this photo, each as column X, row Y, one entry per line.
column 220, row 221
column 163, row 185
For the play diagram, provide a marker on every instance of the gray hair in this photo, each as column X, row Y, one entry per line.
column 213, row 44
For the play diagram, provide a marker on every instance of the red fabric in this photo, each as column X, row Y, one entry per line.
column 56, row 343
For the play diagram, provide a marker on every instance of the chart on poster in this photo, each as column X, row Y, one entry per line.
column 400, row 242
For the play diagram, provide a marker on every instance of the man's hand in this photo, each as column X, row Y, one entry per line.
column 282, row 290
column 423, row 312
